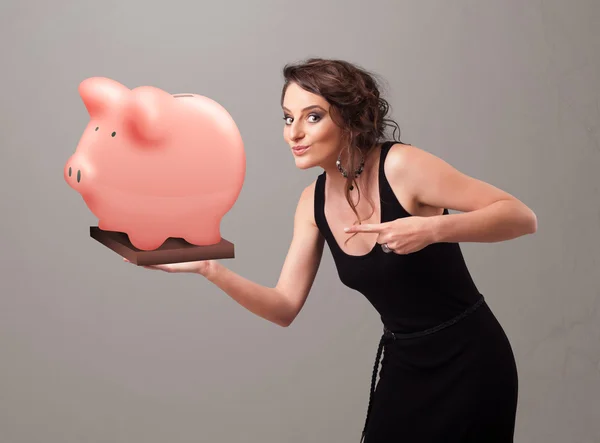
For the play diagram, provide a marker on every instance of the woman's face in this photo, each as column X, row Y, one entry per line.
column 308, row 123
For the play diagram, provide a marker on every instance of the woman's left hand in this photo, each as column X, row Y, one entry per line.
column 403, row 236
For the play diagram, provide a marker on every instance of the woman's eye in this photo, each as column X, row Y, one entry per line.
column 318, row 117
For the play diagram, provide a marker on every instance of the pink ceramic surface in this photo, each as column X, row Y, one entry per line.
column 156, row 165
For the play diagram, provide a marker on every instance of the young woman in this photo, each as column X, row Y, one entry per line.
column 448, row 373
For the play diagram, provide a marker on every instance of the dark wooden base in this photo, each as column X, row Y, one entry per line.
column 173, row 250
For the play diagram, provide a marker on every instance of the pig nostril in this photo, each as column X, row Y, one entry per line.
column 113, row 134
column 78, row 176
column 97, row 127
column 69, row 171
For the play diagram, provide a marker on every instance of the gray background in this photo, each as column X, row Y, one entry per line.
column 93, row 349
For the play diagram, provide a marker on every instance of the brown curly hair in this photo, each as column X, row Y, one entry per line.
column 356, row 106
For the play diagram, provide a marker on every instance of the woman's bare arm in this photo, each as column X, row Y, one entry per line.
column 282, row 303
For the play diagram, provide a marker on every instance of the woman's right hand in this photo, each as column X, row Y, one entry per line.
column 205, row 268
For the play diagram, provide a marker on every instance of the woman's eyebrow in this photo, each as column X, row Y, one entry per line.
column 305, row 109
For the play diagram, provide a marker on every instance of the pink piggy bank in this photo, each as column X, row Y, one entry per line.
column 155, row 165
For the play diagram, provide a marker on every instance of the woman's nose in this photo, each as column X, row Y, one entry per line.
column 295, row 132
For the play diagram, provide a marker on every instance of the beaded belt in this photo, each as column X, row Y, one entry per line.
column 387, row 334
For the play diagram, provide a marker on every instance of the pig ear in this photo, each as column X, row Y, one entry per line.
column 148, row 113
column 100, row 94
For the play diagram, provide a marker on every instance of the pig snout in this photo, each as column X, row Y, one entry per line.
column 79, row 175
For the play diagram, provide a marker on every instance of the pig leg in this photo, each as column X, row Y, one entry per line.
column 147, row 242
column 102, row 224
column 203, row 238
column 206, row 231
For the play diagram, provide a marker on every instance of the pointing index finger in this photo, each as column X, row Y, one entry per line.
column 364, row 228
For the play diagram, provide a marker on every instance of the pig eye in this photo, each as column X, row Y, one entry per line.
column 97, row 128
column 113, row 134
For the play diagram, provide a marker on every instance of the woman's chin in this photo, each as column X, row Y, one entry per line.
column 302, row 163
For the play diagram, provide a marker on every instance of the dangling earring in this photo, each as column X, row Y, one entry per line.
column 358, row 171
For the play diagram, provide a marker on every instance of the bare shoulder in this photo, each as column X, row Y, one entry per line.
column 403, row 165
column 306, row 204
column 397, row 167
column 401, row 158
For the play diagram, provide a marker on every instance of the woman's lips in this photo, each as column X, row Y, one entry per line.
column 301, row 150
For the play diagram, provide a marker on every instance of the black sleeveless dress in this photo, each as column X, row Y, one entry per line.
column 448, row 373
